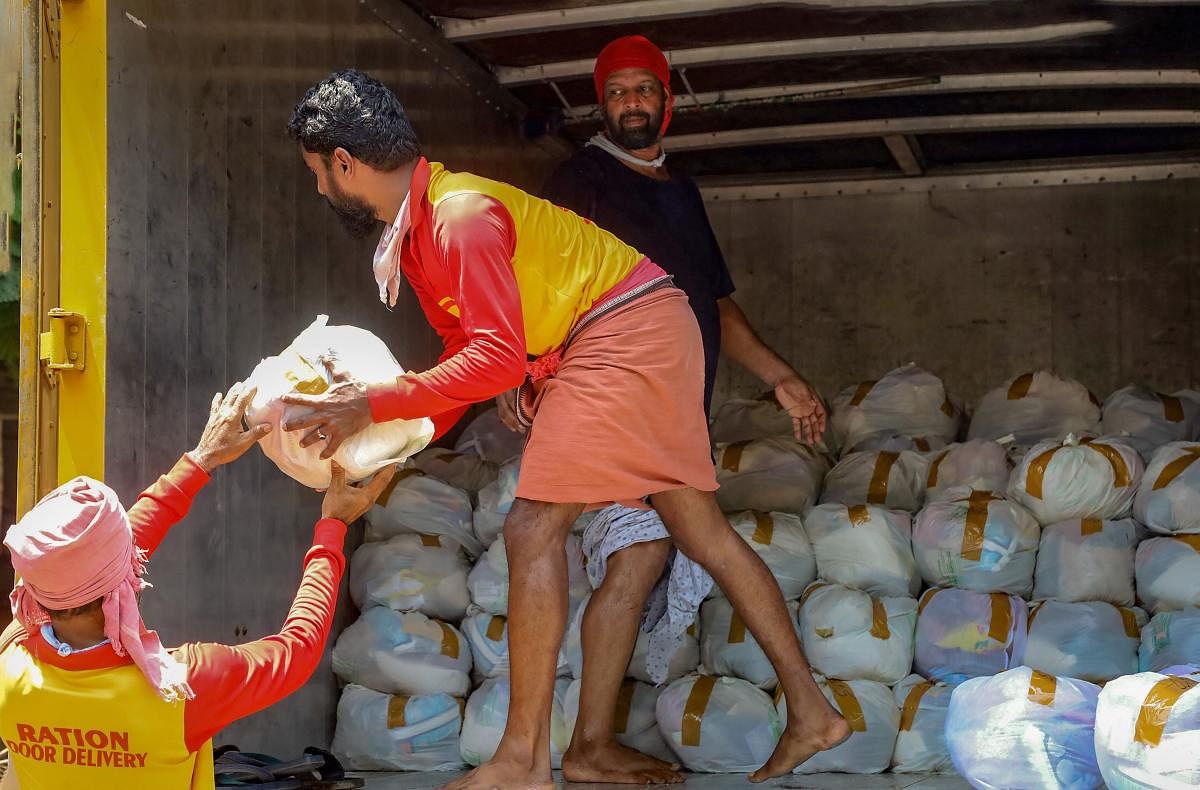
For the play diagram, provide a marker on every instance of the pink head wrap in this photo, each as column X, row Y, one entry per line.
column 75, row 546
column 635, row 52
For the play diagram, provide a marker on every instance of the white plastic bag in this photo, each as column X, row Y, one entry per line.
column 897, row 443
column 718, row 725
column 963, row 634
column 907, row 401
column 979, row 464
column 490, row 439
column 380, row 732
column 488, row 580
column 487, row 634
column 465, row 471
column 1087, row 560
column 728, row 648
column 776, row 474
column 870, row 710
column 1033, row 407
column 635, row 725
column 1090, row 641
column 976, row 540
column 487, row 713
column 1148, row 732
column 1168, row 499
column 1024, row 729
column 298, row 370
column 495, row 502
column 739, row 420
column 780, row 541
column 425, row 573
column 405, row 653
column 864, row 547
column 684, row 660
column 855, row 636
column 1170, row 639
column 884, row 478
column 1168, row 572
column 416, row 502
column 921, row 743
column 1078, row 478
column 1152, row 418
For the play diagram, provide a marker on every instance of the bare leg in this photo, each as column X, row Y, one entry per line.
column 534, row 539
column 610, row 627
column 703, row 533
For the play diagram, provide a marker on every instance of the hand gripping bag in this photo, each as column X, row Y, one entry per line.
column 1151, row 418
column 979, row 464
column 776, row 474
column 870, row 710
column 1168, row 499
column 465, row 471
column 490, row 439
column 634, row 724
column 964, row 634
column 1170, row 639
column 403, row 654
column 1087, row 560
column 718, row 725
column 416, row 502
column 488, row 580
column 780, row 541
column 855, row 636
column 1168, row 572
column 921, row 742
column 411, row 572
column 381, row 732
column 1090, row 641
column 907, row 401
column 728, row 648
column 977, row 540
column 487, row 712
column 741, row 420
column 495, row 502
column 1077, row 478
column 1034, row 407
column 299, row 370
column 884, row 478
column 487, row 634
column 864, row 547
column 1024, row 729
column 683, row 661
column 1148, row 732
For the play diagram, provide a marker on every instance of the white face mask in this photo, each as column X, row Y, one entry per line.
column 387, row 257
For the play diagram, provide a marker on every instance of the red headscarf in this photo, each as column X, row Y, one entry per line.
column 635, row 52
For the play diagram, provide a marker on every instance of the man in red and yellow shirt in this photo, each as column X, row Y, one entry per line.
column 89, row 698
column 609, row 361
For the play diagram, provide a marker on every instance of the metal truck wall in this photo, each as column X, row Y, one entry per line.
column 220, row 251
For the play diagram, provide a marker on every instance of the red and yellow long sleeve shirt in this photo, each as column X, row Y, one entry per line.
column 90, row 719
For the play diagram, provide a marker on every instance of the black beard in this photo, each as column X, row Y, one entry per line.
column 356, row 216
column 634, row 139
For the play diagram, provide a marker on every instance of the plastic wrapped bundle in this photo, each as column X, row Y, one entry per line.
column 921, row 743
column 425, row 573
column 897, row 443
column 884, row 478
column 635, row 725
column 1033, row 407
column 980, row 464
column 864, row 547
column 1148, row 731
column 718, row 725
column 683, row 661
column 488, row 580
column 1077, row 478
column 490, row 439
column 780, row 541
column 978, row 541
column 1087, row 560
column 1170, row 639
column 1167, row 570
column 298, row 370
column 495, row 502
column 855, row 636
column 465, row 471
column 870, row 710
column 776, row 474
column 380, row 732
column 1024, row 728
column 487, row 713
column 403, row 654
column 728, row 647
column 416, row 502
column 907, row 401
column 1151, row 418
column 1090, row 641
column 1168, row 499
column 963, row 634
column 739, row 420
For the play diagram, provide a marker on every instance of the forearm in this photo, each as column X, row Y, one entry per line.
column 742, row 344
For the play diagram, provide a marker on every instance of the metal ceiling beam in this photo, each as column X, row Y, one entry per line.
column 949, row 83
column 822, row 47
column 935, row 124
column 907, row 152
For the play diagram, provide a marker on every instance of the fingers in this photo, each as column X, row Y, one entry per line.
column 216, row 404
column 258, row 432
column 298, row 399
column 234, row 392
column 333, row 441
column 243, row 400
column 305, row 421
column 337, row 477
column 374, row 489
column 312, row 438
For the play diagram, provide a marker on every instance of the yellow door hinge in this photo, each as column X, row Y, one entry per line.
column 64, row 347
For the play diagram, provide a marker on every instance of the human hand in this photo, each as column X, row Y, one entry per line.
column 347, row 501
column 804, row 406
column 506, row 404
column 223, row 439
column 337, row 414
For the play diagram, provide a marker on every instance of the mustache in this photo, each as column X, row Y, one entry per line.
column 634, row 114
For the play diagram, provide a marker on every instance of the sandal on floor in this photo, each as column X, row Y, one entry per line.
column 316, row 769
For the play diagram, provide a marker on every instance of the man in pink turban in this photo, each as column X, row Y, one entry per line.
column 89, row 697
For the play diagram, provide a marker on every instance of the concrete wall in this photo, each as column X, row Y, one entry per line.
column 221, row 251
column 1098, row 282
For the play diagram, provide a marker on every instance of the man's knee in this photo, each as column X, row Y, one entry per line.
column 637, row 567
column 535, row 527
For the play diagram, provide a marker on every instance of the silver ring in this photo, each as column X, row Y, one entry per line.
column 321, row 436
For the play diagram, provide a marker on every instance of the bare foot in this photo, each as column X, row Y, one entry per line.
column 800, row 741
column 499, row 774
column 611, row 763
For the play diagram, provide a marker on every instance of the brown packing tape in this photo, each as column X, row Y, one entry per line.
column 1036, row 474
column 778, row 696
column 847, row 703
column 430, row 541
column 926, row 597
column 948, row 407
column 1121, row 476
column 403, row 474
column 879, row 620
column 1042, row 688
column 810, row 589
column 877, row 493
column 860, row 394
column 921, row 444
column 737, row 630
column 1172, row 408
column 858, row 514
column 1090, row 526
column 691, row 631
column 450, row 646
column 462, row 707
column 931, row 481
column 1129, row 620
column 1020, row 386
column 1190, row 540
column 395, row 711
column 1033, row 613
column 824, row 633
column 624, row 705
column 912, row 703
column 764, row 528
column 1001, row 622
column 975, row 524
column 1156, row 709
column 496, row 626
column 731, row 459
column 1177, row 467
column 693, row 710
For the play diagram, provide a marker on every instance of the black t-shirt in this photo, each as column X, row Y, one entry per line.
column 664, row 220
